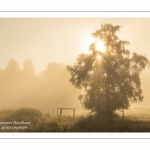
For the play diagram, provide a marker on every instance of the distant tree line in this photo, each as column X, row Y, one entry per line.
column 23, row 87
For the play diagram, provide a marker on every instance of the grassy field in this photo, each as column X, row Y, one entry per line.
column 33, row 120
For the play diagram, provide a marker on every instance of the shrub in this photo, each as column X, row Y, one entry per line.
column 24, row 114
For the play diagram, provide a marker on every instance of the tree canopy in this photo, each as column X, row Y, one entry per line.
column 12, row 66
column 113, row 81
column 28, row 67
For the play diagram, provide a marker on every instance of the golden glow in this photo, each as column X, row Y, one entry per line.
column 100, row 46
column 99, row 57
column 88, row 40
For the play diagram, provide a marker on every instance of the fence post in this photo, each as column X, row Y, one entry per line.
column 123, row 113
column 60, row 112
column 73, row 113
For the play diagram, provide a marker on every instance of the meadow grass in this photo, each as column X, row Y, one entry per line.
column 45, row 122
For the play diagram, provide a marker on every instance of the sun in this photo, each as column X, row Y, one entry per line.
column 88, row 39
column 100, row 46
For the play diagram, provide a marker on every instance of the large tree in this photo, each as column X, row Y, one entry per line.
column 110, row 79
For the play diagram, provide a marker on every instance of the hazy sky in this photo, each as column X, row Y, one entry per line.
column 45, row 40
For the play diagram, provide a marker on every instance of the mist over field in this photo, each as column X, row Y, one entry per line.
column 51, row 63
column 50, row 89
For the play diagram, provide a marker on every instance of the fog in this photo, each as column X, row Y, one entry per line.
column 48, row 90
column 34, row 54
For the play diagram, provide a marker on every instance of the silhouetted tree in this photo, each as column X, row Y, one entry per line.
column 112, row 82
column 12, row 66
column 53, row 71
column 53, row 67
column 12, row 70
column 28, row 67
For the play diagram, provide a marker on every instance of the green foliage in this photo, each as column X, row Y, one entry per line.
column 112, row 82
